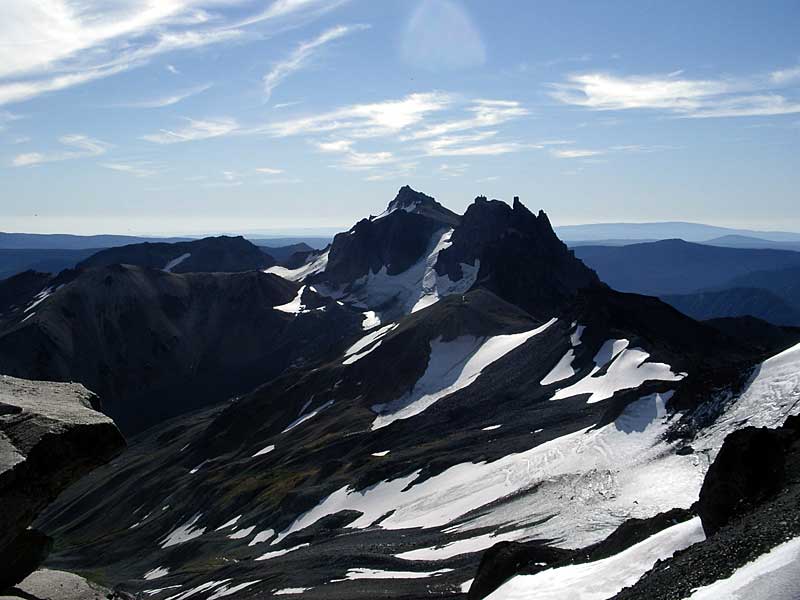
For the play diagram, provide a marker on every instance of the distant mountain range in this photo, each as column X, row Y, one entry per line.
column 690, row 232
column 705, row 281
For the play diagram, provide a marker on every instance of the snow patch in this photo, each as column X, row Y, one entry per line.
column 602, row 579
column 289, row 591
column 262, row 536
column 371, row 319
column 381, row 453
column 242, row 533
column 625, row 369
column 317, row 265
column 156, row 573
column 491, row 427
column 294, row 306
column 226, row 590
column 230, row 523
column 466, row 546
column 184, row 532
column 265, row 450
column 277, row 553
column 175, row 262
column 367, row 344
column 378, row 574
column 302, row 419
column 452, row 366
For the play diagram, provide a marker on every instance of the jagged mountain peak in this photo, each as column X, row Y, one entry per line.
column 411, row 201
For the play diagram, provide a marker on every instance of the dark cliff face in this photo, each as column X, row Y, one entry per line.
column 221, row 254
column 521, row 258
column 153, row 344
column 394, row 240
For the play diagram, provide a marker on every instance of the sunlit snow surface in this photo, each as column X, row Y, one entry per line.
column 601, row 579
column 625, row 369
column 156, row 573
column 184, row 532
column 317, row 265
column 294, row 306
column 586, row 482
column 772, row 394
column 367, row 344
column 452, row 366
column 378, row 574
column 772, row 576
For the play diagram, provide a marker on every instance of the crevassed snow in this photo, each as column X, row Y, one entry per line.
column 371, row 319
column 360, row 573
column 452, row 366
column 317, row 265
column 367, row 344
column 612, row 473
column 230, row 523
column 242, row 533
column 628, row 369
column 265, row 450
column 175, row 262
column 303, row 418
column 156, row 573
column 289, row 591
column 277, row 553
column 227, row 590
column 294, row 306
column 184, row 532
column 562, row 370
column 466, row 546
column 773, row 575
column 772, row 394
column 262, row 536
column 602, row 579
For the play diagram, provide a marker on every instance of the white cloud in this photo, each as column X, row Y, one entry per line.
column 472, row 145
column 51, row 45
column 195, row 130
column 81, row 146
column 168, row 100
column 485, row 113
column 441, row 35
column 352, row 159
column 172, row 69
column 575, row 153
column 7, row 117
column 269, row 171
column 365, row 120
column 302, row 54
column 135, row 169
column 695, row 98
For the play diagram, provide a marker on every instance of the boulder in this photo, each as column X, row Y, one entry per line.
column 49, row 438
column 749, row 468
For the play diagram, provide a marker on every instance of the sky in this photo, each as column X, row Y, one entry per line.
column 287, row 116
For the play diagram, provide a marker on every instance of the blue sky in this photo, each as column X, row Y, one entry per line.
column 189, row 116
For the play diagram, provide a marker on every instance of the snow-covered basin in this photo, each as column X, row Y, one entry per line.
column 772, row 576
column 588, row 483
column 601, row 579
column 452, row 366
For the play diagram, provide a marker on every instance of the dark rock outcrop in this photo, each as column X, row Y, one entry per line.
column 49, row 438
column 748, row 469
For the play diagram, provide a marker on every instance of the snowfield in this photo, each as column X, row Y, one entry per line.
column 452, row 366
column 175, row 262
column 317, row 265
column 618, row 471
column 602, row 579
column 625, row 369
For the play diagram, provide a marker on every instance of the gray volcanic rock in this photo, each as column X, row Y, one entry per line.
column 47, row 583
column 49, row 438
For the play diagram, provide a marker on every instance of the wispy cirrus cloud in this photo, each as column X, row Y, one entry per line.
column 169, row 100
column 57, row 44
column 301, row 56
column 575, row 153
column 78, row 146
column 196, row 129
column 681, row 96
column 137, row 169
column 441, row 35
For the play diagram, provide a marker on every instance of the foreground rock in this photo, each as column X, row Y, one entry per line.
column 59, row 585
column 49, row 438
